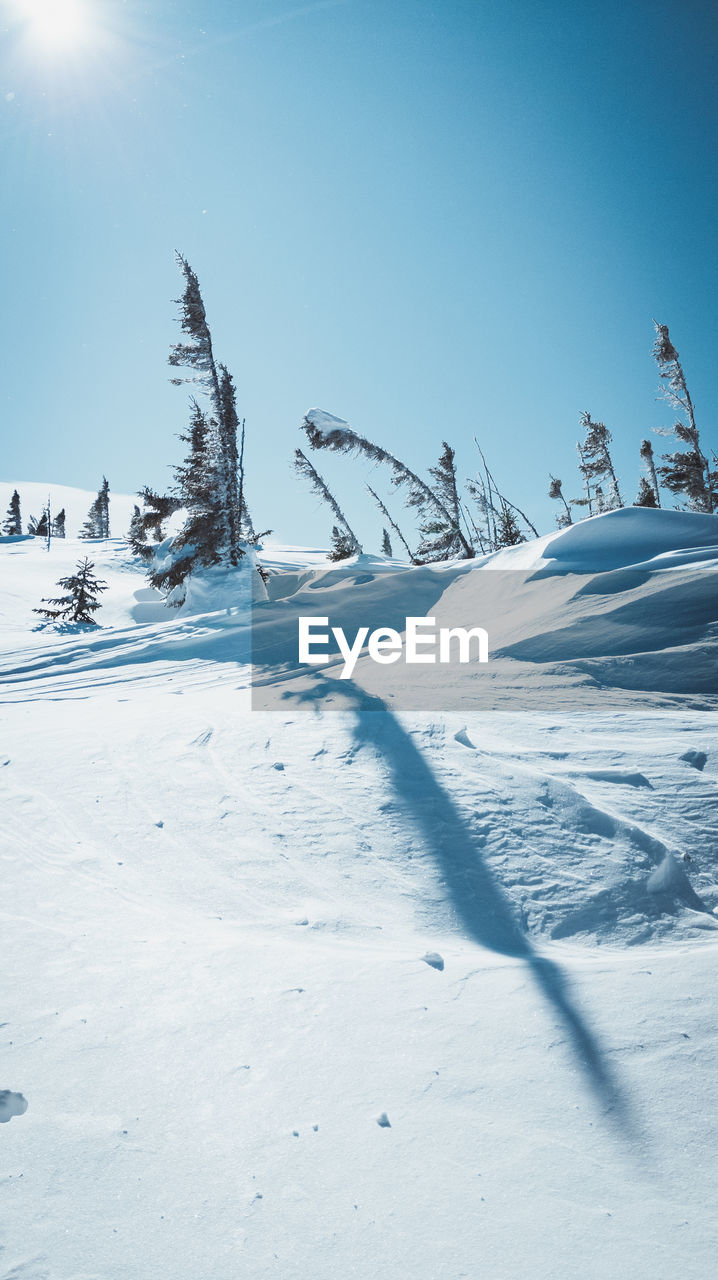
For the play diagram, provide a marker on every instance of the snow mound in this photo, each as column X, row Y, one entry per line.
column 630, row 536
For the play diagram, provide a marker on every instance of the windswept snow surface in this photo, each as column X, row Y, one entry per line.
column 343, row 990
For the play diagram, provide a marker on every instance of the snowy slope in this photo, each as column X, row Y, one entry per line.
column 76, row 503
column 239, row 938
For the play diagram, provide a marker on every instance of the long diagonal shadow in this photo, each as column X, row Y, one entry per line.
column 478, row 900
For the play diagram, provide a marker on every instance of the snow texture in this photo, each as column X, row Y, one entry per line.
column 342, row 990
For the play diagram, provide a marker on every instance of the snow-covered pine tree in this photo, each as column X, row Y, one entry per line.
column 587, row 499
column 80, row 601
column 597, row 464
column 246, row 527
column 12, row 527
column 136, row 532
column 325, row 432
column 230, row 462
column 563, row 519
column 93, row 522
column 686, row 472
column 508, row 533
column 38, row 528
column 393, row 525
column 197, row 355
column 442, row 538
column 156, row 509
column 646, row 496
column 650, row 465
column 200, row 541
column 97, row 524
column 103, row 499
column 386, row 544
column 342, row 545
column 485, row 530
column 344, row 541
column 58, row 525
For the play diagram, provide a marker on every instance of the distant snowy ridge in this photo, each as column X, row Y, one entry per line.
column 76, row 502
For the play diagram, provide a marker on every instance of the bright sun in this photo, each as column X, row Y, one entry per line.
column 57, row 23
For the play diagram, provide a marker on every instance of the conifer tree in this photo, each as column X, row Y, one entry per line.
column 646, row 494
column 136, row 532
column 80, row 601
column 597, row 464
column 485, row 530
column 386, row 544
column 103, row 499
column 342, row 439
column 157, row 509
column 38, row 528
column 650, row 465
column 491, row 502
column 97, row 523
column 200, row 540
column 13, row 521
column 508, row 533
column 442, row 538
column 229, row 427
column 686, row 472
column 343, row 544
column 587, row 499
column 344, row 541
column 93, row 522
column 197, row 355
column 563, row 519
column 58, row 525
column 393, row 525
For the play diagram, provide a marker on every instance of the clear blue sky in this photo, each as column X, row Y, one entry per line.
column 432, row 219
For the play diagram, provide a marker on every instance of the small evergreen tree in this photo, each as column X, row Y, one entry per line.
column 136, row 532
column 386, row 544
column 104, row 508
column 596, row 463
column 508, row 533
column 441, row 535
column 343, row 544
column 491, row 503
column 97, row 523
column 38, row 528
column 344, row 541
column 646, row 494
column 93, row 522
column 563, row 519
column 686, row 472
column 325, row 432
column 13, row 522
column 80, row 601
column 58, row 525
column 393, row 525
column 650, row 465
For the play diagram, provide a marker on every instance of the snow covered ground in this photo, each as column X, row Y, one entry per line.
column 241, row 941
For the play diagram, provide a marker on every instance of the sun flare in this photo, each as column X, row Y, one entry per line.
column 55, row 23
